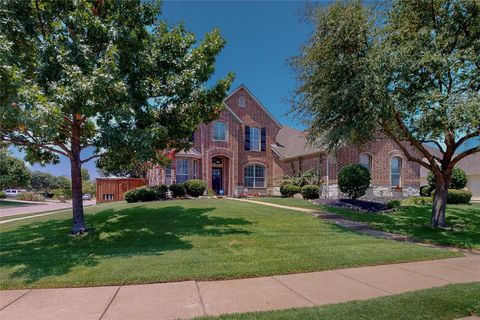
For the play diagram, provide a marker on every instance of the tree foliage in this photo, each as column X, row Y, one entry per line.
column 354, row 180
column 13, row 172
column 410, row 72
column 458, row 180
column 108, row 76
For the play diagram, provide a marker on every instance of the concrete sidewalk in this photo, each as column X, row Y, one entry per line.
column 39, row 207
column 192, row 299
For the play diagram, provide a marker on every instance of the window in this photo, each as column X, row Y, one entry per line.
column 254, row 139
column 219, row 131
column 168, row 175
column 241, row 101
column 195, row 169
column 366, row 161
column 254, row 176
column 107, row 196
column 182, row 170
column 395, row 170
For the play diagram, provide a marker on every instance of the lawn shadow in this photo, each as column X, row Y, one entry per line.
column 42, row 249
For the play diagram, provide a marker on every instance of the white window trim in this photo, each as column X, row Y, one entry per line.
column 242, row 101
column 177, row 174
column 259, row 139
column 226, row 131
column 399, row 174
column 370, row 157
column 254, row 178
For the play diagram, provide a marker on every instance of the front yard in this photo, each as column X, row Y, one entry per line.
column 413, row 220
column 185, row 239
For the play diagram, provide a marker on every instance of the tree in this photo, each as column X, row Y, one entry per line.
column 13, row 172
column 411, row 74
column 43, row 182
column 85, row 174
column 107, row 76
column 458, row 179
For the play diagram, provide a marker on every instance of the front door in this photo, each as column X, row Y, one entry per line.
column 217, row 179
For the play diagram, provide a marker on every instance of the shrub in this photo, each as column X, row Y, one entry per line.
column 310, row 191
column 289, row 190
column 458, row 179
column 3, row 195
column 161, row 191
column 30, row 196
column 354, row 180
column 426, row 191
column 178, row 190
column 393, row 204
column 195, row 187
column 457, row 196
column 141, row 194
column 210, row 193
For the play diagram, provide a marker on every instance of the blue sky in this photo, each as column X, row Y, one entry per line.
column 260, row 37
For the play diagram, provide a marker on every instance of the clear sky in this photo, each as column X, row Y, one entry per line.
column 260, row 37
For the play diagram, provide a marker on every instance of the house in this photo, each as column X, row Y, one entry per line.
column 471, row 166
column 247, row 150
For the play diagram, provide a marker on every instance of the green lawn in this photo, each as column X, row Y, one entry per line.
column 185, row 239
column 413, row 220
column 443, row 303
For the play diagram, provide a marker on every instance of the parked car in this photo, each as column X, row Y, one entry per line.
column 12, row 193
column 87, row 196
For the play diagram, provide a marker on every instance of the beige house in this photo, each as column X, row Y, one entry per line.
column 471, row 166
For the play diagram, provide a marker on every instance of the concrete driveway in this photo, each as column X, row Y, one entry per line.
column 39, row 207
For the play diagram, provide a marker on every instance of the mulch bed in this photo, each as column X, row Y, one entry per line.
column 357, row 205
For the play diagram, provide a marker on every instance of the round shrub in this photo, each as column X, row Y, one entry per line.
column 3, row 195
column 310, row 191
column 131, row 196
column 195, row 187
column 289, row 190
column 393, row 204
column 140, row 194
column 458, row 180
column 178, row 190
column 161, row 191
column 354, row 180
column 426, row 191
column 457, row 196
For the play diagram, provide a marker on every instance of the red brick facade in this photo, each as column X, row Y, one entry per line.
column 243, row 110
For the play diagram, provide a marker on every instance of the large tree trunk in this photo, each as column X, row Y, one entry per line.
column 79, row 226
column 439, row 201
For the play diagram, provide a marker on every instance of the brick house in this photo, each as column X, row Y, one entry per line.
column 247, row 148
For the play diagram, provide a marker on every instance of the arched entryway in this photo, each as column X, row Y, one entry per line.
column 219, row 179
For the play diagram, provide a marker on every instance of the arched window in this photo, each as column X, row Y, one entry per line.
column 254, row 176
column 395, row 171
column 366, row 161
column 219, row 131
column 241, row 101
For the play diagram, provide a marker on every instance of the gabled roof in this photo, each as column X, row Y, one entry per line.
column 292, row 143
column 191, row 153
column 242, row 86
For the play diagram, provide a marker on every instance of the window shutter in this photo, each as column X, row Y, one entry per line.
column 247, row 138
column 192, row 137
column 263, row 138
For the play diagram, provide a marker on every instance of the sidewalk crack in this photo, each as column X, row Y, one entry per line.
column 363, row 282
column 294, row 291
column 23, row 295
column 108, row 305
column 204, row 310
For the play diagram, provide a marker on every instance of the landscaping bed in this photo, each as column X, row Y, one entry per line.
column 356, row 204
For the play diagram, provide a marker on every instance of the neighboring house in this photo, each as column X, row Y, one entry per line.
column 246, row 150
column 471, row 166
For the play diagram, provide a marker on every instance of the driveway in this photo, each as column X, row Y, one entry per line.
column 38, row 207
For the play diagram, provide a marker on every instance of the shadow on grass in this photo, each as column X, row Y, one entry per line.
column 45, row 249
column 463, row 222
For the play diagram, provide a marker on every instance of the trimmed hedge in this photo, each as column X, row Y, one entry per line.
column 141, row 194
column 458, row 180
column 195, row 187
column 354, row 180
column 3, row 195
column 457, row 196
column 310, row 191
column 178, row 190
column 289, row 190
column 161, row 191
column 426, row 191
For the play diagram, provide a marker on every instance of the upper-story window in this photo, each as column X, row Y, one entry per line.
column 219, row 131
column 366, row 161
column 241, row 101
column 255, row 139
column 395, row 171
column 182, row 170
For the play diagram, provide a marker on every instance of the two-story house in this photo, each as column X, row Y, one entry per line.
column 246, row 148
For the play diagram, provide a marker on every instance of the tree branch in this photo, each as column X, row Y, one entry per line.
column 99, row 155
column 467, row 137
column 463, row 155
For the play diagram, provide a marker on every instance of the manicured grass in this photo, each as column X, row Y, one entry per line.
column 448, row 302
column 414, row 220
column 185, row 239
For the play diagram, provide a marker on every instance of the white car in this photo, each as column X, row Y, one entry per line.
column 12, row 193
column 87, row 196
